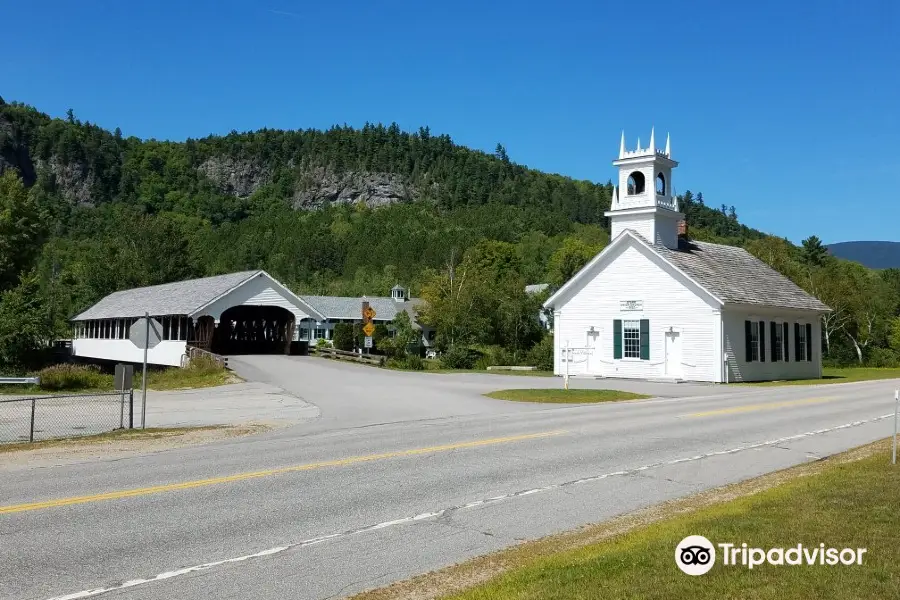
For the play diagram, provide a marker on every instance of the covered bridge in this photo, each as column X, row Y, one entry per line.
column 238, row 313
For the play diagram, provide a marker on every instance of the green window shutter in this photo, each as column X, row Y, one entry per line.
column 617, row 338
column 748, row 341
column 809, row 342
column 784, row 342
column 796, row 341
column 774, row 340
column 762, row 341
column 645, row 339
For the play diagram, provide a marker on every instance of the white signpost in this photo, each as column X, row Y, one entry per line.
column 146, row 333
column 568, row 352
column 367, row 342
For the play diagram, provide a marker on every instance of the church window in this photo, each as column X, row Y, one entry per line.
column 631, row 338
column 752, row 334
column 777, row 342
column 635, row 183
column 661, row 184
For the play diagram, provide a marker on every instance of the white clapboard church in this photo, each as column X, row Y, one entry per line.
column 655, row 304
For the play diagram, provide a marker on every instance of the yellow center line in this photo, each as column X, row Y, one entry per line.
column 763, row 406
column 186, row 485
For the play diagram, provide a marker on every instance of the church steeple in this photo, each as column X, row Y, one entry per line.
column 643, row 201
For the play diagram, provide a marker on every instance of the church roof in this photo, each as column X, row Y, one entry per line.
column 737, row 277
column 730, row 274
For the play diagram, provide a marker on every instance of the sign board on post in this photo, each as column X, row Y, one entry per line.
column 146, row 333
column 145, row 337
column 124, row 376
column 368, row 313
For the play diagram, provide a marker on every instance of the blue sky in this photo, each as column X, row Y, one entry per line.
column 786, row 110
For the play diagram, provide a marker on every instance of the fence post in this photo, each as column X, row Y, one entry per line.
column 130, row 409
column 31, row 434
column 122, row 411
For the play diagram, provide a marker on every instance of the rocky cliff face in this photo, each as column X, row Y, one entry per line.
column 320, row 187
column 73, row 179
column 316, row 187
column 235, row 177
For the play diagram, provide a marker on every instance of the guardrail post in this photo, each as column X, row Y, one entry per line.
column 31, row 434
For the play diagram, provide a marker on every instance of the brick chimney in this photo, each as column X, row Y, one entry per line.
column 682, row 230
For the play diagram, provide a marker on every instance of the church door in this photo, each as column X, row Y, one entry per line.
column 673, row 354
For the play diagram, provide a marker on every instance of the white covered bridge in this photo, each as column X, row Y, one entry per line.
column 238, row 313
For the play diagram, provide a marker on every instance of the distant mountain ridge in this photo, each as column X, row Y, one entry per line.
column 875, row 255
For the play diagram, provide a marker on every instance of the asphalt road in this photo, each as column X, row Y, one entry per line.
column 400, row 474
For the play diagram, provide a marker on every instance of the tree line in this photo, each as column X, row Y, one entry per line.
column 475, row 231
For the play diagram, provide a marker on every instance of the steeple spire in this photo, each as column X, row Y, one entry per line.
column 668, row 145
column 622, row 146
column 652, row 147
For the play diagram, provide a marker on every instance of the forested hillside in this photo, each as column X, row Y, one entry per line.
column 85, row 211
column 875, row 255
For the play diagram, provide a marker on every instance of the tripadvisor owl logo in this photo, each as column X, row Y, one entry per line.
column 695, row 555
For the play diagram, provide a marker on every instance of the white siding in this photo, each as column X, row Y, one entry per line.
column 167, row 353
column 636, row 273
column 641, row 224
column 256, row 292
column 739, row 369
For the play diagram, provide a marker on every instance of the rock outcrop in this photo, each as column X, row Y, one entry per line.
column 234, row 176
column 321, row 187
column 73, row 179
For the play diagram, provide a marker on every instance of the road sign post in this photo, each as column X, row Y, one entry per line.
column 368, row 313
column 145, row 333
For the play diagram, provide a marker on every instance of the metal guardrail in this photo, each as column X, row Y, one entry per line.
column 37, row 418
column 21, row 380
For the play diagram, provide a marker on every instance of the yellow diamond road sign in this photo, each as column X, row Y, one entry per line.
column 369, row 313
column 368, row 329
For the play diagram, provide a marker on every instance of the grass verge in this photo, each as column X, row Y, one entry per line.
column 110, row 436
column 848, row 500
column 561, row 396
column 836, row 375
column 201, row 375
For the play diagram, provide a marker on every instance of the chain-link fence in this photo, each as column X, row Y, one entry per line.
column 48, row 417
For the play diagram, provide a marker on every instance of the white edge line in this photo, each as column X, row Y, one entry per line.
column 438, row 513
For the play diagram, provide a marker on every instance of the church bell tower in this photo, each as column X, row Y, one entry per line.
column 643, row 201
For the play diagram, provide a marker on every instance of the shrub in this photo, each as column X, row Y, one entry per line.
column 460, row 357
column 322, row 343
column 343, row 337
column 541, row 355
column 74, row 377
column 414, row 362
column 882, row 358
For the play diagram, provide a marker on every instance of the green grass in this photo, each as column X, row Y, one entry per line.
column 201, row 374
column 837, row 375
column 844, row 505
column 117, row 434
column 562, row 396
